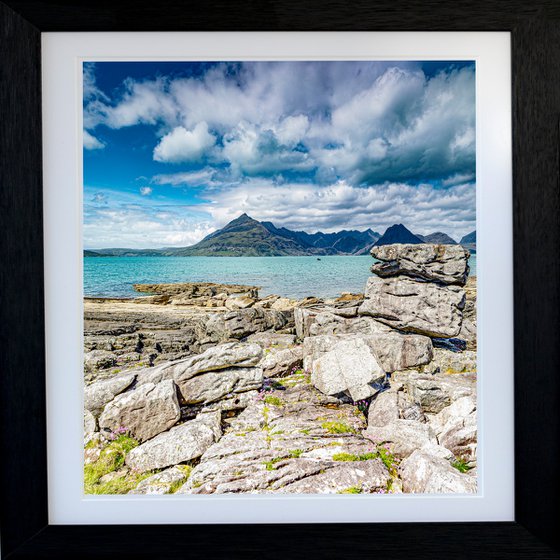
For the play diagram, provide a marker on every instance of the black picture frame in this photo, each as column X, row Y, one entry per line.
column 535, row 33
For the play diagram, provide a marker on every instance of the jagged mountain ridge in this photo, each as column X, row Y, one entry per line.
column 245, row 236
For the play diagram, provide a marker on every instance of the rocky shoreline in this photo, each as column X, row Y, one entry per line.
column 207, row 388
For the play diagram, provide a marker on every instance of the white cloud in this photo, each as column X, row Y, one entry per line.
column 191, row 178
column 146, row 191
column 363, row 122
column 310, row 207
column 91, row 142
column 137, row 226
column 181, row 145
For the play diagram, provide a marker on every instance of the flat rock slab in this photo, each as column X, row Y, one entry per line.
column 293, row 441
column 180, row 444
column 144, row 411
column 434, row 392
column 211, row 386
column 435, row 263
column 425, row 473
column 349, row 366
column 162, row 482
column 403, row 436
column 411, row 306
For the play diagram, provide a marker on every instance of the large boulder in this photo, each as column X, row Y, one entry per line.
column 231, row 356
column 394, row 351
column 425, row 473
column 211, row 386
column 180, row 444
column 410, row 306
column 447, row 264
column 145, row 411
column 350, row 366
column 98, row 394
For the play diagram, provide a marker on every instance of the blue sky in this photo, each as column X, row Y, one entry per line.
column 175, row 150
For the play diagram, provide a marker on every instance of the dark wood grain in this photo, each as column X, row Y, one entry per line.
column 535, row 28
column 22, row 365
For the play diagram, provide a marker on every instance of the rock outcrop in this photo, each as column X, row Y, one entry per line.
column 145, row 411
column 447, row 264
column 229, row 393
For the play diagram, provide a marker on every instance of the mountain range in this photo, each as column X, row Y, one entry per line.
column 247, row 237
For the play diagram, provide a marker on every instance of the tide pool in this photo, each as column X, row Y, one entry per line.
column 294, row 277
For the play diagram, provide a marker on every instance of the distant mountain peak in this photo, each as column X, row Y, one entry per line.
column 397, row 233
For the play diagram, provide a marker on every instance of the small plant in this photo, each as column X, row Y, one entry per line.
column 305, row 431
column 461, row 465
column 295, row 453
column 389, row 460
column 271, row 465
column 362, row 406
column 352, row 457
column 351, row 490
column 338, row 428
column 273, row 400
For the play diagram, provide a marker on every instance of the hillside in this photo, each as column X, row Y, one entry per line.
column 469, row 241
column 247, row 237
column 438, row 237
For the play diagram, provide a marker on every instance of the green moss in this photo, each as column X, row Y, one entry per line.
column 338, row 428
column 111, row 459
column 196, row 483
column 389, row 460
column 274, row 401
column 352, row 457
column 305, row 431
column 271, row 465
column 295, row 453
column 351, row 490
column 461, row 465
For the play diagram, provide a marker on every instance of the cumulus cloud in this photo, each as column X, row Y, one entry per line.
column 365, row 123
column 146, row 191
column 91, row 142
column 181, row 145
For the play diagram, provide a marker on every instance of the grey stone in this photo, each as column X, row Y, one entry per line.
column 162, row 482
column 145, row 411
column 180, row 444
column 350, row 366
column 280, row 362
column 410, row 306
column 98, row 394
column 213, row 385
column 423, row 473
column 90, row 424
column 441, row 263
column 394, row 351
column 271, row 339
column 383, row 409
column 403, row 436
column 434, row 392
column 99, row 359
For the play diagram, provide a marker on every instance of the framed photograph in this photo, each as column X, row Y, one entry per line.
column 215, row 351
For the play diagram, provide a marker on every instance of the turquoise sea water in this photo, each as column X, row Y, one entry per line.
column 293, row 277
